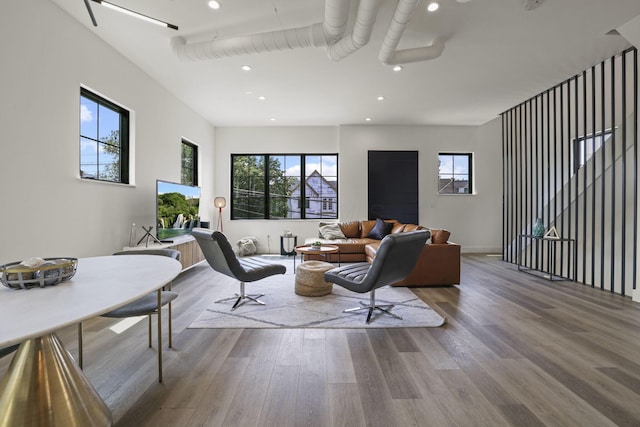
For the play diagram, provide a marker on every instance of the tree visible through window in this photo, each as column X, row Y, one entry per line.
column 104, row 139
column 454, row 173
column 279, row 186
column 189, row 169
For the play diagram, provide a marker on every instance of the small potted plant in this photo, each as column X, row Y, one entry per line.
column 316, row 245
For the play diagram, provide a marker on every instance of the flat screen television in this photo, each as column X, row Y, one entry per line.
column 177, row 209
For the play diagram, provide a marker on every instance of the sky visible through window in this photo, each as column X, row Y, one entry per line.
column 325, row 165
column 454, row 166
column 97, row 123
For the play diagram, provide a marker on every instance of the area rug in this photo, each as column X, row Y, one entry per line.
column 285, row 309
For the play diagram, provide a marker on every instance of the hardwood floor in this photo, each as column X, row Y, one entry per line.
column 517, row 351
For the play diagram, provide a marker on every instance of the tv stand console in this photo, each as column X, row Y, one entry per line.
column 190, row 252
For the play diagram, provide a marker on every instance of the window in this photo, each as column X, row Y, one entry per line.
column 284, row 186
column 455, row 173
column 585, row 147
column 104, row 139
column 189, row 170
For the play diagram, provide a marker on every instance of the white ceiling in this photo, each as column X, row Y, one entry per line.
column 497, row 54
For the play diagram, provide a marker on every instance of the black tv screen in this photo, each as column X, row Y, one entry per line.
column 177, row 209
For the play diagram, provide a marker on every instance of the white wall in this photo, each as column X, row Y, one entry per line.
column 474, row 220
column 46, row 209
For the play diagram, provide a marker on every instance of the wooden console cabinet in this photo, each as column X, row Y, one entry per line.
column 190, row 252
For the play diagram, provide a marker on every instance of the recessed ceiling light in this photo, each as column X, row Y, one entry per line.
column 213, row 4
column 246, row 68
column 380, row 98
column 397, row 68
column 433, row 6
column 273, row 119
column 262, row 98
column 368, row 119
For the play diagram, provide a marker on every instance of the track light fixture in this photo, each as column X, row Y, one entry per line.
column 130, row 13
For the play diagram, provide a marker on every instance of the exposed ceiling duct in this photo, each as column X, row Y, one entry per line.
column 329, row 33
column 361, row 34
column 315, row 35
column 388, row 53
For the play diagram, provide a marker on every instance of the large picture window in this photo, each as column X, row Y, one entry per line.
column 104, row 139
column 189, row 167
column 455, row 173
column 284, row 186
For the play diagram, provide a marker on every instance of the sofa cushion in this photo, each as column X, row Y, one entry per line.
column 412, row 227
column 380, row 230
column 439, row 237
column 397, row 228
column 331, row 231
column 350, row 229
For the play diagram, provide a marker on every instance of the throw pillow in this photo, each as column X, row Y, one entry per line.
column 331, row 232
column 380, row 230
column 320, row 225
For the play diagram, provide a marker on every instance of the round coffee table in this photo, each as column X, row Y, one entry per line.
column 324, row 250
column 310, row 279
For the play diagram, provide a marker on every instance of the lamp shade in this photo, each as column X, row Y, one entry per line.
column 219, row 202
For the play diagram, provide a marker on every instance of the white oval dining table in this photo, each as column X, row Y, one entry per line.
column 43, row 385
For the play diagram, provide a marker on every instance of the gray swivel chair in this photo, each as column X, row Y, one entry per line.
column 145, row 306
column 395, row 259
column 219, row 254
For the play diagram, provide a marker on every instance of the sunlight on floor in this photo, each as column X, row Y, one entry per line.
column 125, row 324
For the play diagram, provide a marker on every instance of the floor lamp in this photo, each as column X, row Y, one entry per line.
column 219, row 202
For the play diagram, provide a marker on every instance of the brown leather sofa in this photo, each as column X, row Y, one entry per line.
column 438, row 265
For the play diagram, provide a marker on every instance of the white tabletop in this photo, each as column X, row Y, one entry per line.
column 101, row 284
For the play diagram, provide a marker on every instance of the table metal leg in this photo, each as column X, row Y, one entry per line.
column 45, row 387
column 159, row 320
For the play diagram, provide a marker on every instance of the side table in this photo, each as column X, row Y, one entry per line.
column 544, row 259
column 324, row 250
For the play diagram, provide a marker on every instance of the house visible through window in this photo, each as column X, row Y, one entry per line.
column 278, row 186
column 189, row 169
column 455, row 173
column 104, row 139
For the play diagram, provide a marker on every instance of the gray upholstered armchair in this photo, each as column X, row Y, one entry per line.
column 219, row 254
column 395, row 258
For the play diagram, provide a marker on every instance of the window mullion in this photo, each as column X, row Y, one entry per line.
column 267, row 191
column 303, row 186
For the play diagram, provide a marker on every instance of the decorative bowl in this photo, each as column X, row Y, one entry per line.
column 49, row 272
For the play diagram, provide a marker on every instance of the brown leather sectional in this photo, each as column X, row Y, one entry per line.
column 438, row 265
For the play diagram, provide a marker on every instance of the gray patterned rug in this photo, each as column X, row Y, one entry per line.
column 285, row 309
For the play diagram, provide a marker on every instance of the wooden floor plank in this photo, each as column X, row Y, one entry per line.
column 345, row 407
column 517, row 351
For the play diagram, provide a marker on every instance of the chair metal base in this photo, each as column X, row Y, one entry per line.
column 242, row 297
column 372, row 306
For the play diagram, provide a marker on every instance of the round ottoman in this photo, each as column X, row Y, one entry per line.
column 310, row 279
